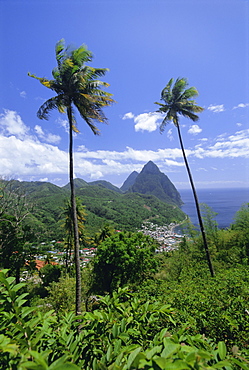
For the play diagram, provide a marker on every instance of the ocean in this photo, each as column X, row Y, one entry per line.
column 225, row 202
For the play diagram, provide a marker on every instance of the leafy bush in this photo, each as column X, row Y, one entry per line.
column 122, row 333
column 121, row 259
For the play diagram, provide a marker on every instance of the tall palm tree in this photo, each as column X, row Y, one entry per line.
column 67, row 225
column 177, row 102
column 76, row 85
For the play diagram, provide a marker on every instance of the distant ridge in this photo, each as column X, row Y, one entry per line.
column 78, row 183
column 152, row 181
column 129, row 181
column 106, row 184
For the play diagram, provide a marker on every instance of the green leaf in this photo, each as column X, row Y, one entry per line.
column 222, row 350
column 161, row 362
column 132, row 356
column 32, row 366
column 177, row 365
column 153, row 351
column 39, row 360
column 17, row 287
column 169, row 349
column 65, row 366
column 109, row 353
column 242, row 365
column 221, row 364
column 115, row 330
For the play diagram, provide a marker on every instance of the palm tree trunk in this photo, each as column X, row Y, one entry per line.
column 197, row 205
column 74, row 216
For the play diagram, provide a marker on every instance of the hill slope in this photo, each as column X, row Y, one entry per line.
column 129, row 181
column 122, row 211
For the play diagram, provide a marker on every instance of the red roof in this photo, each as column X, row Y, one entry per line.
column 40, row 264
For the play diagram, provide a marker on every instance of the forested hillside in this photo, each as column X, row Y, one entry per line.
column 103, row 206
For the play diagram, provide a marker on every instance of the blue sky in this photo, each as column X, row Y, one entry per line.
column 144, row 44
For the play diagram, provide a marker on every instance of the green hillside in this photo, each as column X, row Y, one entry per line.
column 127, row 211
column 103, row 206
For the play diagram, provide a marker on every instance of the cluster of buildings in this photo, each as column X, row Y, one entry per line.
column 165, row 235
column 168, row 240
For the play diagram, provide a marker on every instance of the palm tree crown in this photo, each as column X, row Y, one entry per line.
column 177, row 102
column 76, row 84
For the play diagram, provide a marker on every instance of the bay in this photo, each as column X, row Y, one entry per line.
column 225, row 202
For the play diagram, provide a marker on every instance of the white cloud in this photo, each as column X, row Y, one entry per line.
column 169, row 134
column 38, row 130
column 12, row 124
column 194, row 130
column 23, row 94
column 241, row 105
column 216, row 108
column 96, row 175
column 147, row 121
column 238, row 124
column 63, row 123
column 129, row 115
column 202, row 169
column 29, row 157
column 49, row 138
column 171, row 163
column 82, row 148
column 232, row 146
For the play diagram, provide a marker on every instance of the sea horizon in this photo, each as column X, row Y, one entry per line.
column 224, row 201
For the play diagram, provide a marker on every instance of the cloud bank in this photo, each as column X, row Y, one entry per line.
column 33, row 154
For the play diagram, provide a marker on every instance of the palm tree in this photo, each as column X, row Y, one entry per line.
column 177, row 101
column 103, row 233
column 67, row 225
column 75, row 84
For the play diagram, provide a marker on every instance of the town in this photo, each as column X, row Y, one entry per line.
column 168, row 240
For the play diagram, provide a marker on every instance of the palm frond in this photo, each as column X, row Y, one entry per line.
column 189, row 105
column 179, row 86
column 166, row 92
column 81, row 55
column 189, row 114
column 56, row 102
column 189, row 93
column 43, row 81
column 59, row 47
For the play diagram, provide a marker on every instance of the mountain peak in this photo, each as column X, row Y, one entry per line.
column 150, row 167
column 152, row 181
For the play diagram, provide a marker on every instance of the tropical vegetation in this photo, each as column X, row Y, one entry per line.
column 139, row 301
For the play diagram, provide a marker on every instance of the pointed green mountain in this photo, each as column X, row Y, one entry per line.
column 152, row 181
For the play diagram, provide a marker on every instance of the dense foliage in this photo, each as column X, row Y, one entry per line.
column 122, row 333
column 121, row 259
column 156, row 311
